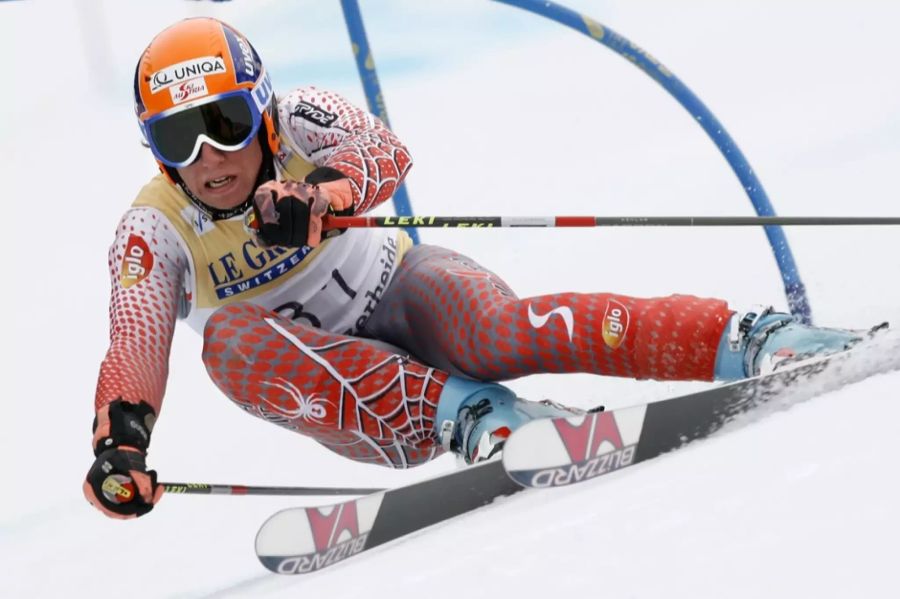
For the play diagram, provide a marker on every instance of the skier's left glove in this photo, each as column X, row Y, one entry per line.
column 289, row 213
column 119, row 484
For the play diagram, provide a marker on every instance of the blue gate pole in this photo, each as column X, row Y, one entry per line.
column 793, row 286
column 365, row 64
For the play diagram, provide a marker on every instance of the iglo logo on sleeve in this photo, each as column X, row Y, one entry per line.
column 615, row 323
column 137, row 261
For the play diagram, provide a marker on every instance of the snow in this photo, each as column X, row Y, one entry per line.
column 505, row 114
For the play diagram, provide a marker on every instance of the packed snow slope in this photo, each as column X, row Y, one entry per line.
column 505, row 113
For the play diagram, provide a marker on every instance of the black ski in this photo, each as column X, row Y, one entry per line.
column 563, row 451
column 301, row 540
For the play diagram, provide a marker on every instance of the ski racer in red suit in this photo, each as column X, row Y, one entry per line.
column 382, row 351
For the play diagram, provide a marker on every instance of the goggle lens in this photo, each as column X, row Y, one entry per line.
column 227, row 121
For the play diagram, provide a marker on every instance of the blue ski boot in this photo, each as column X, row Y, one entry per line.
column 475, row 418
column 762, row 340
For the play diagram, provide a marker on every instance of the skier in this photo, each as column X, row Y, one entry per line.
column 382, row 351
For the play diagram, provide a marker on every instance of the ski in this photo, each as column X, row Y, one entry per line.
column 551, row 453
column 563, row 451
column 306, row 539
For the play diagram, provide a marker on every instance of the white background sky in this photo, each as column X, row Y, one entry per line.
column 504, row 114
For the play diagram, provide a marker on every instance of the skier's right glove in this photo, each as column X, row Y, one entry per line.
column 119, row 484
column 290, row 213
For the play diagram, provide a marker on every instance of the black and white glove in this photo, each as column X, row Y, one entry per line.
column 118, row 483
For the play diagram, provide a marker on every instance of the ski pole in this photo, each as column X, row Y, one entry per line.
column 211, row 489
column 345, row 222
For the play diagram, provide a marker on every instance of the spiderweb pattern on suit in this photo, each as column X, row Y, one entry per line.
column 356, row 399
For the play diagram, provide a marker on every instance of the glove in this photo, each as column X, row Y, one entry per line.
column 119, row 484
column 289, row 213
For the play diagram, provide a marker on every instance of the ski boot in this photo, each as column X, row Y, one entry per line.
column 761, row 341
column 475, row 418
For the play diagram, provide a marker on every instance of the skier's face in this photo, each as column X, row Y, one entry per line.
column 223, row 180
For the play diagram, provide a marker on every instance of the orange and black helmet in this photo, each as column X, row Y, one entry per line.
column 200, row 81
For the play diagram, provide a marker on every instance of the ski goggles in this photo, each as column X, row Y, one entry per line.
column 228, row 122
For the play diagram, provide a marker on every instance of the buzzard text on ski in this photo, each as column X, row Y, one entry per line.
column 301, row 541
column 553, row 453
